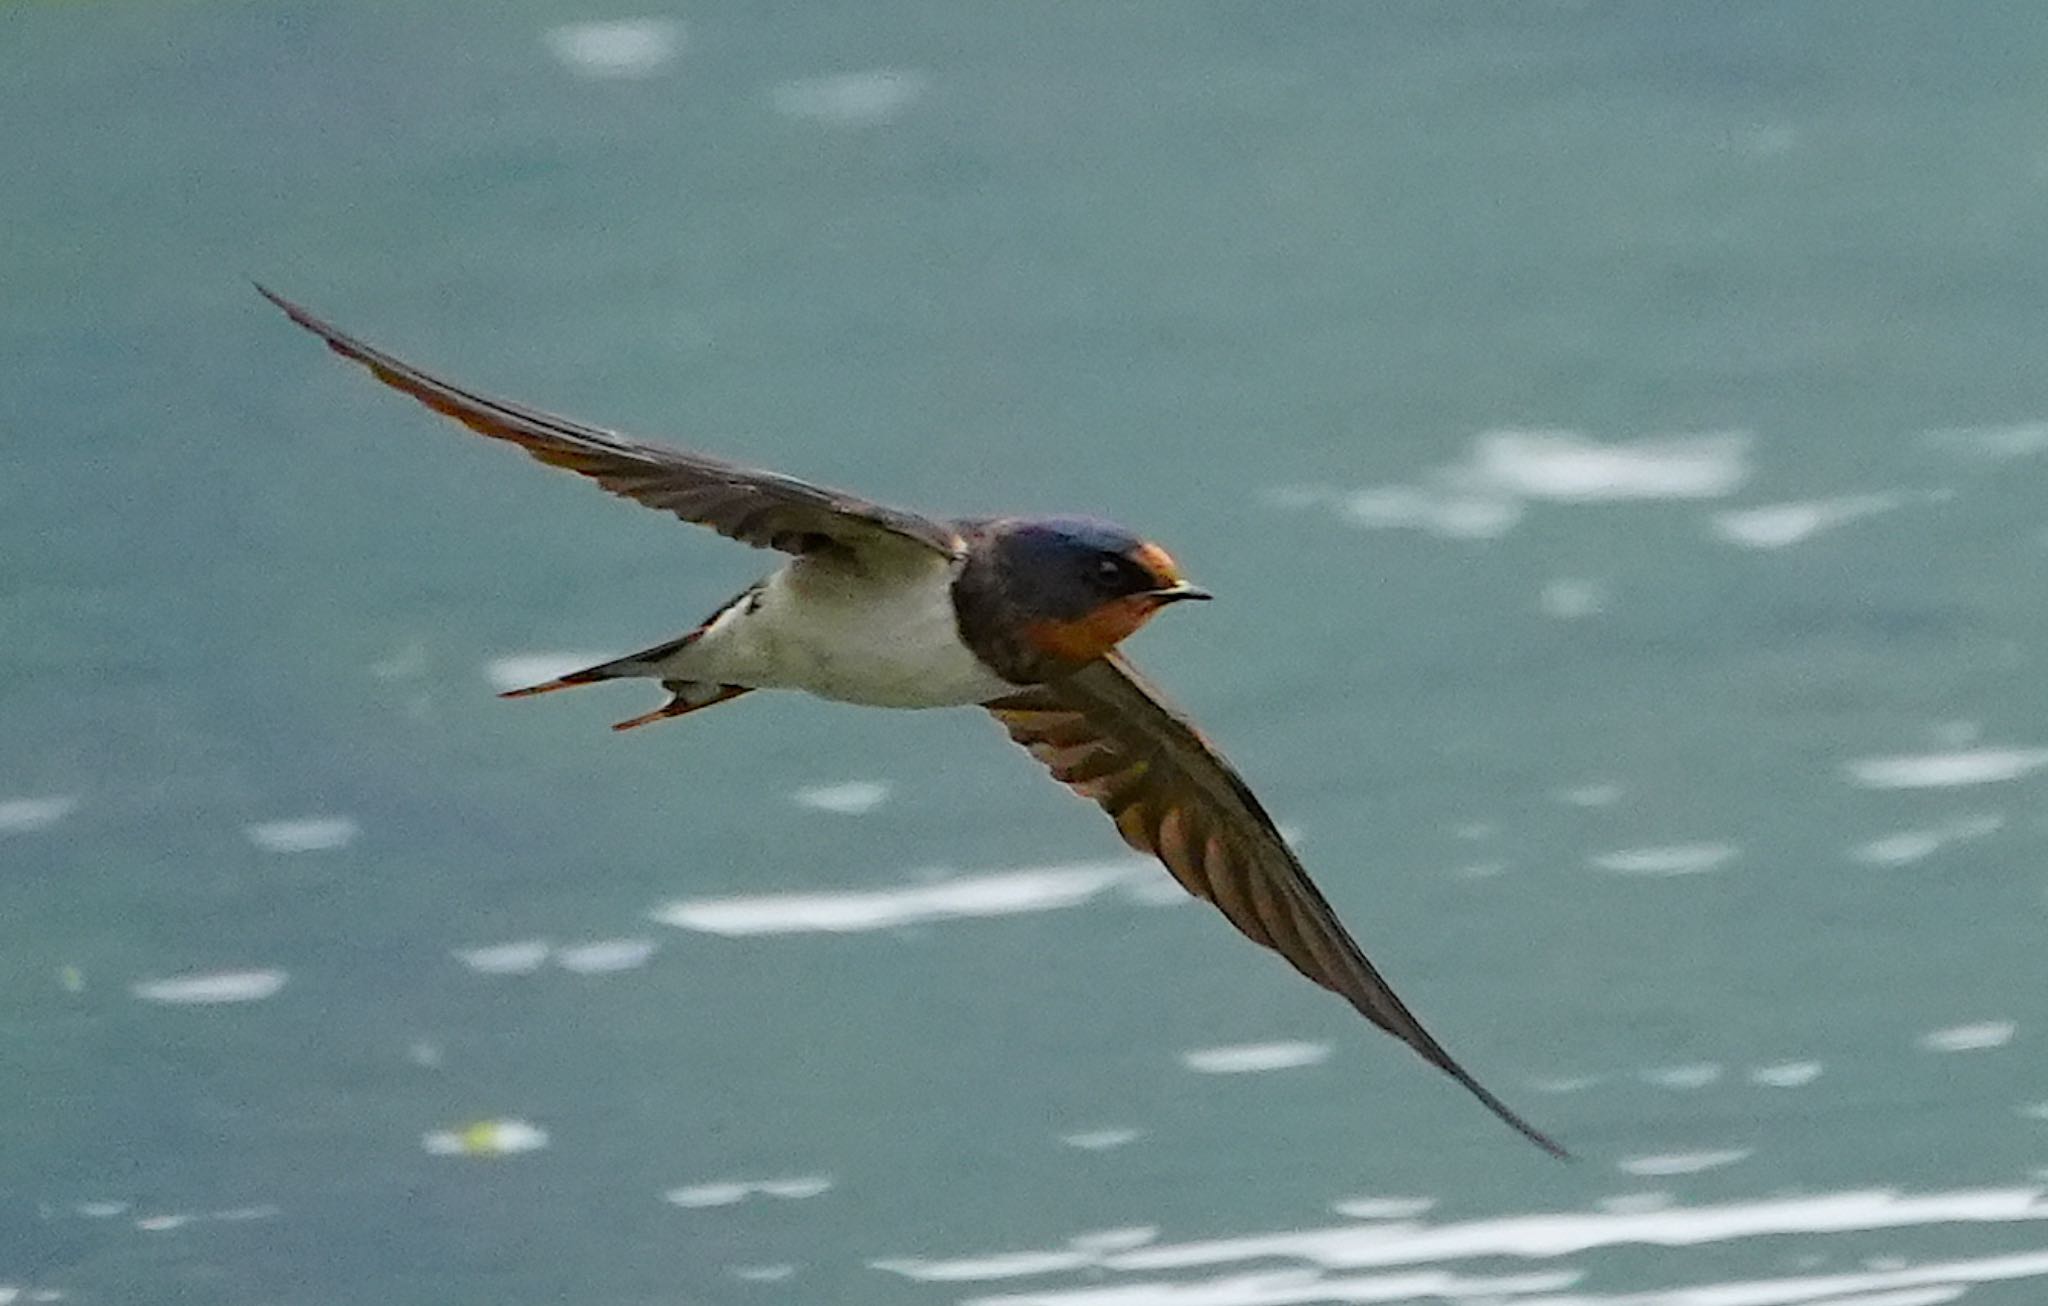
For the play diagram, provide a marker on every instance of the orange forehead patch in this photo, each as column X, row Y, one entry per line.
column 1089, row 637
column 1159, row 562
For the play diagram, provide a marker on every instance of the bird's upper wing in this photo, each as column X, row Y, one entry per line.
column 756, row 507
column 1111, row 737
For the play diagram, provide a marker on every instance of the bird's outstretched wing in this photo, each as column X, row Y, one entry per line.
column 756, row 507
column 1111, row 737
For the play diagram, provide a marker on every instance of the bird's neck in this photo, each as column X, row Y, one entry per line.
column 985, row 614
column 1027, row 649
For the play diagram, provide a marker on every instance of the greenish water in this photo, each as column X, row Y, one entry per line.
column 1691, row 790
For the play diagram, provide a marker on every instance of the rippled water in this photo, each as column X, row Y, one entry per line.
column 1617, row 437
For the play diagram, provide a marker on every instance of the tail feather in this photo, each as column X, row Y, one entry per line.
column 647, row 662
column 587, row 676
column 686, row 696
column 643, row 663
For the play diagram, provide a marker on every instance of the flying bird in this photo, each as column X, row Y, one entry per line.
column 1020, row 616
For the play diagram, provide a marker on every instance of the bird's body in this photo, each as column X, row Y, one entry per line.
column 1018, row 615
column 880, row 636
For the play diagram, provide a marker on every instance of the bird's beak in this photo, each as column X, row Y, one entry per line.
column 1179, row 590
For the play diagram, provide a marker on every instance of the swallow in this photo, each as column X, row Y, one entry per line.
column 1020, row 616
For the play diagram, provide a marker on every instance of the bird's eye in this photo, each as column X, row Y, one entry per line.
column 1110, row 572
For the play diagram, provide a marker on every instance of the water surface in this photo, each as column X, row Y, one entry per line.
column 1616, row 435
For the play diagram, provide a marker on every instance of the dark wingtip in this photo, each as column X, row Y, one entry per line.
column 1550, row 1145
column 1508, row 1116
column 291, row 310
column 349, row 347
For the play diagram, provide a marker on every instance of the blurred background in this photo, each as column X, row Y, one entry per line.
column 1615, row 434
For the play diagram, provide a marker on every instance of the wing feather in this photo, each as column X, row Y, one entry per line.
column 761, row 508
column 1175, row 797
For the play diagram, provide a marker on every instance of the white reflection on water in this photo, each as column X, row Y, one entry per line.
column 1304, row 1288
column 847, row 798
column 1934, row 1295
column 631, row 47
column 604, row 956
column 1101, row 1140
column 1997, row 443
column 486, row 1138
column 862, row 99
column 1383, row 1246
column 1698, row 1074
column 522, row 957
column 304, row 834
column 1565, row 1233
column 165, row 1221
column 1440, row 512
column 1571, row 599
column 1600, row 794
column 1566, row 467
column 1677, row 1163
column 729, row 1192
column 1910, row 1286
column 1926, row 1285
column 763, row 1273
column 21, row 815
column 1971, row 766
column 998, row 893
column 1252, row 1058
column 1903, row 847
column 1786, row 1074
column 1671, row 859
column 1384, row 1208
column 1482, row 870
column 211, row 988
column 1969, row 1038
column 1776, row 525
column 1636, row 1203
column 1115, row 1240
column 1482, row 496
column 1566, row 1083
column 525, row 956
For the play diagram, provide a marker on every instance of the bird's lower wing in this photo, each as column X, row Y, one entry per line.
column 1111, row 737
column 756, row 507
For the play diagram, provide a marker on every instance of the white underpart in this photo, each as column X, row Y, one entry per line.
column 883, row 636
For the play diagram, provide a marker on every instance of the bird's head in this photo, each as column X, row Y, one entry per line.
column 1077, row 587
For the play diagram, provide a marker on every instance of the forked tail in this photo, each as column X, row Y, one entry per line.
column 645, row 663
column 685, row 696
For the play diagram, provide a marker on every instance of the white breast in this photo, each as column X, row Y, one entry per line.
column 885, row 639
